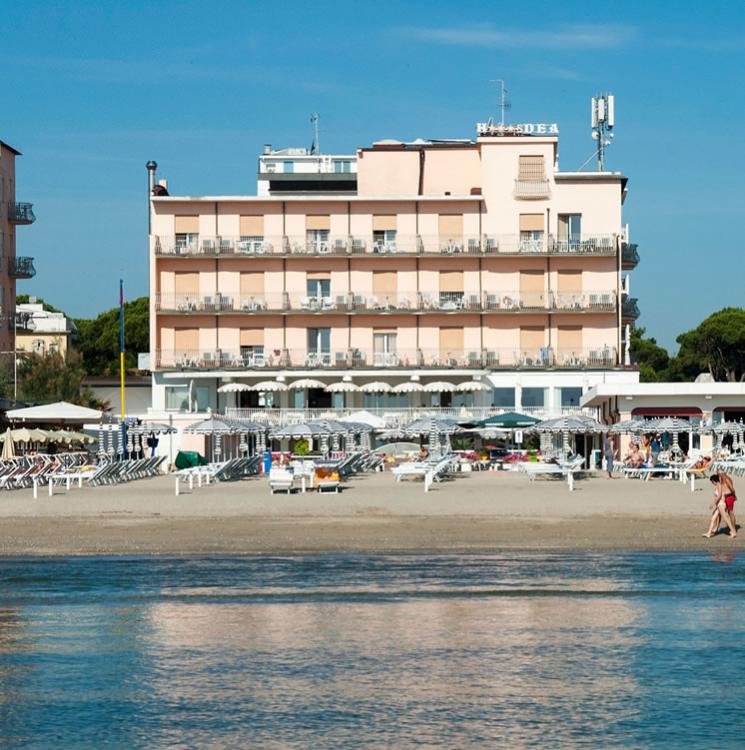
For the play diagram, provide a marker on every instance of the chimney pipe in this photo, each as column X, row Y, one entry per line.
column 267, row 149
column 151, row 166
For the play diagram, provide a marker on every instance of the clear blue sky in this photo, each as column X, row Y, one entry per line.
column 92, row 91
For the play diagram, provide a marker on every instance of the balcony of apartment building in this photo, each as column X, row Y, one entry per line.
column 385, row 244
column 385, row 355
column 327, row 301
column 630, row 309
column 21, row 267
column 21, row 213
column 629, row 255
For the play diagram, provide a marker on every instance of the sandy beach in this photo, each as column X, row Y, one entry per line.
column 482, row 511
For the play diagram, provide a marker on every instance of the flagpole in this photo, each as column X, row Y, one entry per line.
column 121, row 365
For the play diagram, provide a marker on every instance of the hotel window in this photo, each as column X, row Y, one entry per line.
column 570, row 228
column 531, row 233
column 533, row 397
column 177, row 397
column 531, row 168
column 252, row 346
column 252, row 234
column 570, row 396
column 504, row 398
column 319, row 346
column 318, row 285
column 187, row 232
column 288, row 166
column 373, row 401
column 342, row 166
column 317, row 233
column 384, row 233
column 451, row 290
column 384, row 347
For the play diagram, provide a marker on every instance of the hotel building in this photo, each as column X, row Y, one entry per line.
column 431, row 261
column 12, row 267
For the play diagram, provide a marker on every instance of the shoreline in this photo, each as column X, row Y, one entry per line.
column 486, row 512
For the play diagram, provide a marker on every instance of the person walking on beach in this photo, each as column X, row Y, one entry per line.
column 723, row 505
column 608, row 453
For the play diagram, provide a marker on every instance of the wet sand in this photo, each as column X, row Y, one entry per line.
column 482, row 511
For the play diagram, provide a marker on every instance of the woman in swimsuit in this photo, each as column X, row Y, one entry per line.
column 723, row 505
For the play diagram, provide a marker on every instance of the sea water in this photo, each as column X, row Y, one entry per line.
column 374, row 651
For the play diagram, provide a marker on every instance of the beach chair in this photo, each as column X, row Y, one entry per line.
column 281, row 480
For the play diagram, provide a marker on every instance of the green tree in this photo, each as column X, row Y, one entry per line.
column 51, row 377
column 716, row 346
column 98, row 339
column 652, row 359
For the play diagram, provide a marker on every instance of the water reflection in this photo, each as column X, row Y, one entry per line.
column 351, row 651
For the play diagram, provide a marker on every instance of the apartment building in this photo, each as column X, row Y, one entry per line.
column 12, row 266
column 448, row 263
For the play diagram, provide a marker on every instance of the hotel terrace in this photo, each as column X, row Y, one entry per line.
column 407, row 264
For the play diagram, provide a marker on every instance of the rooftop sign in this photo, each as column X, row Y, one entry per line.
column 526, row 128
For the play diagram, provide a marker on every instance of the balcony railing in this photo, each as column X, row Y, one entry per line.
column 349, row 302
column 354, row 246
column 21, row 213
column 630, row 308
column 532, row 189
column 21, row 267
column 629, row 255
column 545, row 357
column 399, row 416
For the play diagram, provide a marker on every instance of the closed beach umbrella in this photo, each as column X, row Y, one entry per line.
column 8, row 447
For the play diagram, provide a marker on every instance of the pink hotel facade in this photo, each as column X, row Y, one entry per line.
column 430, row 261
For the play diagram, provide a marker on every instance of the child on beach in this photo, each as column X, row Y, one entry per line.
column 723, row 505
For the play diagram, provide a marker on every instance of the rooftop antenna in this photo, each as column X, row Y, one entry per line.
column 603, row 120
column 503, row 103
column 316, row 147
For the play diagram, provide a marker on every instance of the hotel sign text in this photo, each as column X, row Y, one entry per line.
column 526, row 128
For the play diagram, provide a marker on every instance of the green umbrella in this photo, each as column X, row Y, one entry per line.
column 510, row 420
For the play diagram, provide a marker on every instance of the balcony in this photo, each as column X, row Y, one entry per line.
column 527, row 190
column 195, row 303
column 355, row 358
column 629, row 256
column 630, row 309
column 401, row 245
column 21, row 267
column 21, row 213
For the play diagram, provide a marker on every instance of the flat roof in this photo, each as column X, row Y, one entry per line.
column 600, row 393
column 310, row 197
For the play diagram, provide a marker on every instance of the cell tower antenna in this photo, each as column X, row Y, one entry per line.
column 316, row 147
column 504, row 104
column 603, row 120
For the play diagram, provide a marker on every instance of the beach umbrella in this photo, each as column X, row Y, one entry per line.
column 306, row 383
column 234, row 388
column 376, row 386
column 411, row 386
column 629, row 426
column 342, row 387
column 431, row 426
column 439, row 386
column 472, row 386
column 510, row 420
column 364, row 417
column 269, row 386
column 300, row 430
column 213, row 427
column 671, row 425
column 566, row 425
column 8, row 447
